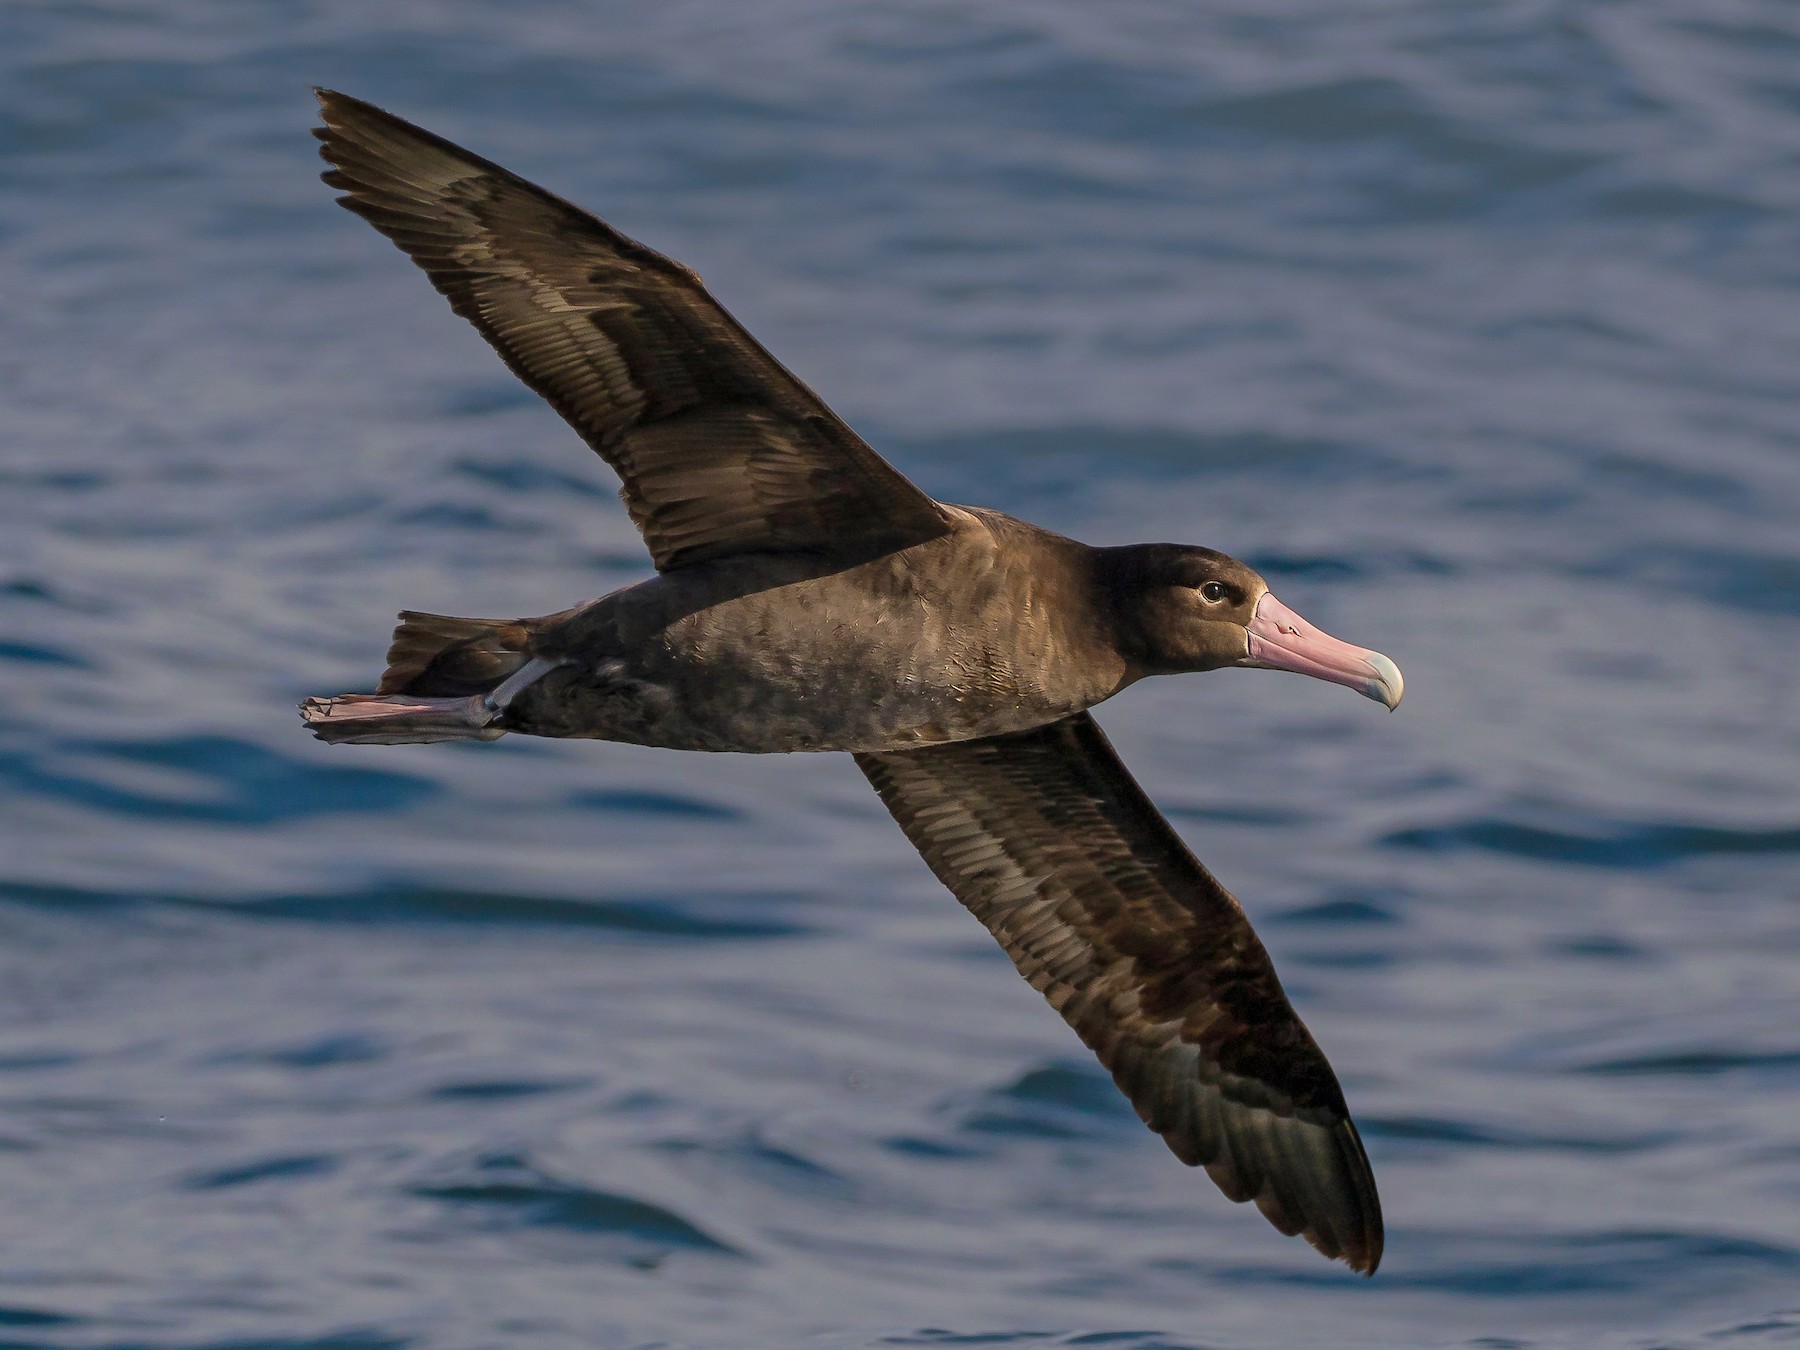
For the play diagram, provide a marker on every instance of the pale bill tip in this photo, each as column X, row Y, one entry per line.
column 1389, row 685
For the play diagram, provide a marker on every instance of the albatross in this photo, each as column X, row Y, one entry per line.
column 808, row 597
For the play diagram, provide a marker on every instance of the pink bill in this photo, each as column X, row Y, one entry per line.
column 1281, row 640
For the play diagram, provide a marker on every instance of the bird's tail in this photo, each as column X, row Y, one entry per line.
column 436, row 655
column 440, row 684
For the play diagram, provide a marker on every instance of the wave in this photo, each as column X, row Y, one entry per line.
column 506, row 1191
column 1591, row 841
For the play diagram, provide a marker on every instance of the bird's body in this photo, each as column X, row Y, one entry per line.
column 794, row 653
column 810, row 598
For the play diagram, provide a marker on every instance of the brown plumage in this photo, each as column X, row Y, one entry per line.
column 1051, row 843
column 811, row 598
column 630, row 349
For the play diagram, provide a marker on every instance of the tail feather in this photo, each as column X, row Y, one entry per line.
column 435, row 655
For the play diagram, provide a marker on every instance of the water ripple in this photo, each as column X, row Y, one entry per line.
column 1054, row 1101
column 739, row 917
column 1623, row 1262
column 1466, row 1134
column 500, row 1090
column 505, row 1191
column 34, row 1317
column 1619, row 844
column 637, row 801
column 1699, row 1063
column 36, row 654
column 292, row 1167
column 217, row 779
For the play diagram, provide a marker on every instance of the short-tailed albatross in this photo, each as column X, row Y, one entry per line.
column 809, row 597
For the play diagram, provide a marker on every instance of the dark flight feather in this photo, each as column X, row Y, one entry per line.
column 1050, row 843
column 721, row 450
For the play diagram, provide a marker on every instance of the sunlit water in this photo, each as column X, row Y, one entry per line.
column 1476, row 326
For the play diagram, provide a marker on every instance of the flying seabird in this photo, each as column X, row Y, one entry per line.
column 809, row 597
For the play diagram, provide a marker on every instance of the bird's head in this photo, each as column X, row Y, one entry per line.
column 1183, row 608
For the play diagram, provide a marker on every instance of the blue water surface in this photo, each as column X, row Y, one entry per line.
column 1476, row 326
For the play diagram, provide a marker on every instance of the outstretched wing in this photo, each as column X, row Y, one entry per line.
column 1050, row 843
column 721, row 450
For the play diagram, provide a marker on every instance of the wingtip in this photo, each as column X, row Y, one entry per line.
column 336, row 107
column 327, row 128
column 1365, row 1260
column 1361, row 1253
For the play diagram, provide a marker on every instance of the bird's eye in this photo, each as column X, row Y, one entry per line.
column 1215, row 591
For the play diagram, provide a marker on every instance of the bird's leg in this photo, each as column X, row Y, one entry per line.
column 413, row 719
column 400, row 719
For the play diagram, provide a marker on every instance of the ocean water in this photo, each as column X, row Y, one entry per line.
column 1476, row 326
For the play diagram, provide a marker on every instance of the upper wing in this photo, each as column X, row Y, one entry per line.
column 721, row 450
column 1051, row 844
